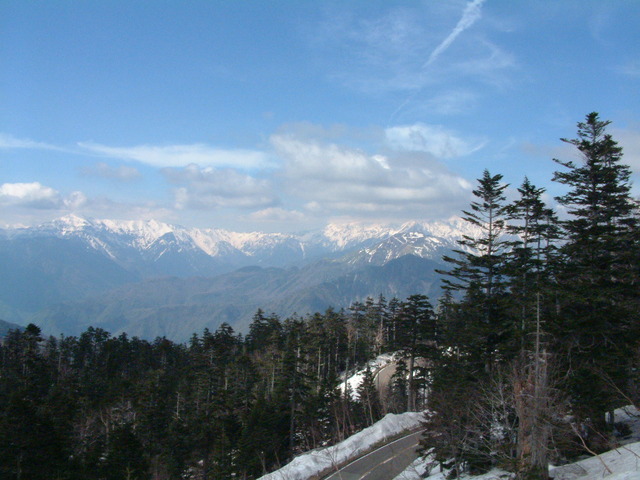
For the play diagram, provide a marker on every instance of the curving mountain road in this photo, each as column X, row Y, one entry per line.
column 384, row 463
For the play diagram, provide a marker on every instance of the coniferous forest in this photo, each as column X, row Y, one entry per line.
column 534, row 342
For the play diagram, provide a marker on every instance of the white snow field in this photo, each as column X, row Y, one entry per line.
column 315, row 462
column 354, row 380
column 622, row 463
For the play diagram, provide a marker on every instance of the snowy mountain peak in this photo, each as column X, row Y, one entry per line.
column 70, row 223
column 127, row 241
column 146, row 230
column 347, row 234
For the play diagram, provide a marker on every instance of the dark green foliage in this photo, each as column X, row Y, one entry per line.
column 125, row 457
column 416, row 342
column 550, row 296
column 478, row 271
column 103, row 407
column 598, row 274
column 397, row 394
column 369, row 398
column 31, row 447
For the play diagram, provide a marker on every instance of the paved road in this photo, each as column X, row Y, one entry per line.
column 383, row 377
column 384, row 463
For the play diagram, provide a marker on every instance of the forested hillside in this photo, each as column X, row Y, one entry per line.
column 97, row 406
column 534, row 341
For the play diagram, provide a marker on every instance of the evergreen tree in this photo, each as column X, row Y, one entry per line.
column 598, row 276
column 369, row 398
column 125, row 458
column 530, row 262
column 397, row 396
column 478, row 271
column 530, row 266
column 417, row 341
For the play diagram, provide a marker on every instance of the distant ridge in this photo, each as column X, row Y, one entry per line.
column 5, row 327
column 67, row 272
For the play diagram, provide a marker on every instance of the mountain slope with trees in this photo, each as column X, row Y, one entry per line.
column 533, row 344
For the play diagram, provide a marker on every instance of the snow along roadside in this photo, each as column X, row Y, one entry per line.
column 621, row 463
column 312, row 464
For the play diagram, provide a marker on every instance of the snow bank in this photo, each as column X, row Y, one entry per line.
column 313, row 463
column 619, row 464
column 355, row 380
column 622, row 463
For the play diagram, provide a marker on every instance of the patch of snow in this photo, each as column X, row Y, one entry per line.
column 354, row 381
column 145, row 232
column 622, row 463
column 418, row 471
column 315, row 462
column 344, row 235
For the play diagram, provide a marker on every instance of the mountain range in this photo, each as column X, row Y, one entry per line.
column 149, row 278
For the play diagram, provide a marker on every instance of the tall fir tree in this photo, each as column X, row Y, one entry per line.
column 530, row 267
column 478, row 272
column 416, row 342
column 599, row 274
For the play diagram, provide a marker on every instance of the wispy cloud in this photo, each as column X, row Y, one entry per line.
column 277, row 215
column 470, row 15
column 9, row 141
column 452, row 102
column 183, row 155
column 629, row 140
column 433, row 139
column 121, row 173
column 398, row 51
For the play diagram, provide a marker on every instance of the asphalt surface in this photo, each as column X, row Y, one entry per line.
column 384, row 463
column 383, row 377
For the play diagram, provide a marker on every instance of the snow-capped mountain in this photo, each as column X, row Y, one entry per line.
column 424, row 240
column 150, row 278
column 156, row 247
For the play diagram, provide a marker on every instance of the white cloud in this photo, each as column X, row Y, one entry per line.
column 433, row 139
column 338, row 179
column 309, row 159
column 183, row 155
column 629, row 140
column 29, row 194
column 38, row 196
column 202, row 188
column 277, row 214
column 75, row 200
column 122, row 173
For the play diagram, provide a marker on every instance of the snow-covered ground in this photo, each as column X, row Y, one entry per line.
column 323, row 460
column 622, row 463
column 354, row 380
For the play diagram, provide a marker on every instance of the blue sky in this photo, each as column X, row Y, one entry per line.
column 286, row 115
